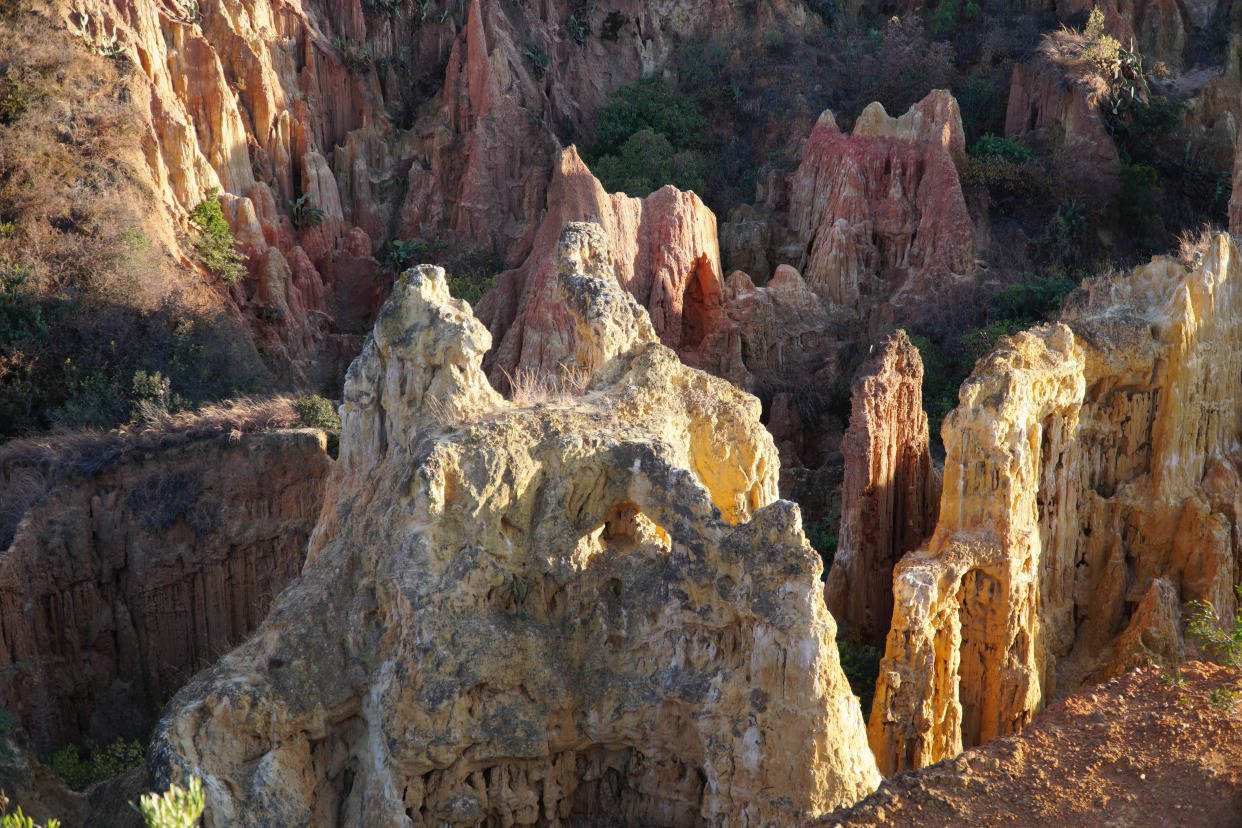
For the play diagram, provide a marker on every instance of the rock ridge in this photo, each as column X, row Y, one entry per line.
column 1090, row 489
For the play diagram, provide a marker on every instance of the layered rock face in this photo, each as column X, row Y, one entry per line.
column 118, row 586
column 591, row 610
column 1091, row 488
column 421, row 121
column 881, row 212
column 891, row 492
column 664, row 252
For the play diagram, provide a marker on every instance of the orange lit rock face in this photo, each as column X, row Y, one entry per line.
column 881, row 211
column 664, row 251
column 890, row 495
column 542, row 614
column 119, row 585
column 419, row 124
column 1090, row 489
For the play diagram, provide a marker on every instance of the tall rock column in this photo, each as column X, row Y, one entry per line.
column 1091, row 488
column 891, row 491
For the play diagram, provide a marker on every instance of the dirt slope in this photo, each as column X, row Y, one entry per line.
column 1134, row 751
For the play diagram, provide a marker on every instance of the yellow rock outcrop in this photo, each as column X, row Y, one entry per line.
column 588, row 607
column 1091, row 486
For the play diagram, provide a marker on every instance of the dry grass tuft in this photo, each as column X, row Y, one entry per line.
column 1192, row 245
column 1072, row 51
column 527, row 388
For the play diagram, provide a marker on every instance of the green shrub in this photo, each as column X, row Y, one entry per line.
column 861, row 665
column 305, row 213
column 315, row 412
column 1220, row 641
column 16, row 96
column 213, row 243
column 823, row 537
column 1061, row 241
column 951, row 13
column 175, row 808
column 578, row 25
column 470, row 288
column 1034, row 301
column 404, row 254
column 648, row 105
column 119, row 757
column 1222, row 698
column 982, row 104
column 1139, row 206
column 153, row 398
column 1100, row 49
column 81, row 772
column 357, row 56
column 646, row 162
column 68, row 764
column 1003, row 148
column 1010, row 184
column 538, row 57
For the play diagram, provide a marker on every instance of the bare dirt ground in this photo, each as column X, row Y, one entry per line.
column 1135, row 751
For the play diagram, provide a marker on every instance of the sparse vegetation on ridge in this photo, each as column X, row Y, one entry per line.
column 93, row 301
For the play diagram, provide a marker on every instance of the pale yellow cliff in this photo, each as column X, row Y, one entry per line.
column 1090, row 488
column 591, row 606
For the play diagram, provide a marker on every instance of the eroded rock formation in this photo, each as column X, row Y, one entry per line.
column 1054, row 102
column 593, row 608
column 881, row 212
column 1091, row 488
column 664, row 251
column 119, row 585
column 891, row 492
column 425, row 121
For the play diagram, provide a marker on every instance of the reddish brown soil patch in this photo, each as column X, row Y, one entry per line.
column 1132, row 752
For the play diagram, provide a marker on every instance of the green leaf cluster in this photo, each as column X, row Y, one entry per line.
column 648, row 136
column 213, row 243
column 175, row 808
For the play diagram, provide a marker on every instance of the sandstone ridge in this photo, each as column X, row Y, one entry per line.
column 891, row 491
column 1091, row 487
column 584, row 609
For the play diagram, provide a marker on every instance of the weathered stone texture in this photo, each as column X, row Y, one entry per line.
column 881, row 212
column 664, row 252
column 588, row 609
column 891, row 492
column 1091, row 488
column 119, row 585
